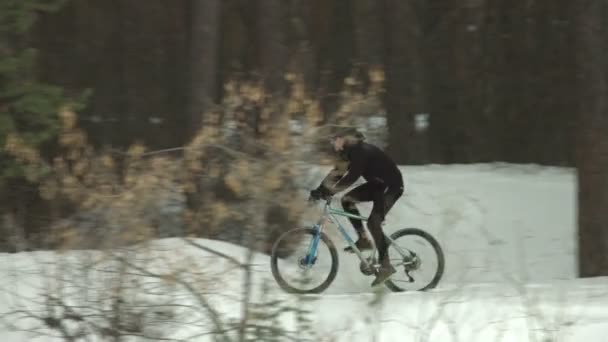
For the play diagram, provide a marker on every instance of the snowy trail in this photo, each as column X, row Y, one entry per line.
column 494, row 222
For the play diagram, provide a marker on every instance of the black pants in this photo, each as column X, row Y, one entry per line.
column 384, row 197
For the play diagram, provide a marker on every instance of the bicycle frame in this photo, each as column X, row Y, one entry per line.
column 331, row 213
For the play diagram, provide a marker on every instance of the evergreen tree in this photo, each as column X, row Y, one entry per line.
column 27, row 107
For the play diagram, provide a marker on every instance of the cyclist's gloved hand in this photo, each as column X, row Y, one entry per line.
column 315, row 195
column 319, row 193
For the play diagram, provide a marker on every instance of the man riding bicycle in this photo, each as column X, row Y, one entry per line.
column 384, row 186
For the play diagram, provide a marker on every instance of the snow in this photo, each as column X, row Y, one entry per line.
column 508, row 233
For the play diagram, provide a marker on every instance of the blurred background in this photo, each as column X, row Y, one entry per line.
column 434, row 82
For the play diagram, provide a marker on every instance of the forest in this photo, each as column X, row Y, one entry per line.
column 493, row 81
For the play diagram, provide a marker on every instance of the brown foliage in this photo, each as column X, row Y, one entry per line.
column 240, row 174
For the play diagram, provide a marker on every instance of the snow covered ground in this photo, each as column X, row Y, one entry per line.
column 508, row 233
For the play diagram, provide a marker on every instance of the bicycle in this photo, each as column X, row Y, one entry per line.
column 409, row 260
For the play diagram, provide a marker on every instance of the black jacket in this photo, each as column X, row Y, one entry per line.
column 367, row 161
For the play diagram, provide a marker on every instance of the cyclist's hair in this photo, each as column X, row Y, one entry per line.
column 351, row 135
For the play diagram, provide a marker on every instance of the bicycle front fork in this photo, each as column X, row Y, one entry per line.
column 311, row 256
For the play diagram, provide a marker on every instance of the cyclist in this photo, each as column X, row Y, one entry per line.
column 384, row 186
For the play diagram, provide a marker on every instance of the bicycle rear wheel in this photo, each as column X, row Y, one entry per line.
column 307, row 252
column 409, row 257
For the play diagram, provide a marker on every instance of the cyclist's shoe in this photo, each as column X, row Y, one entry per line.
column 384, row 272
column 362, row 243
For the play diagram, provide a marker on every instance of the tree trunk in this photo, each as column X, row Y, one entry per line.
column 404, row 79
column 367, row 20
column 273, row 48
column 301, row 53
column 203, row 53
column 592, row 161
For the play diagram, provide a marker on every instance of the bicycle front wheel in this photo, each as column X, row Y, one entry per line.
column 304, row 261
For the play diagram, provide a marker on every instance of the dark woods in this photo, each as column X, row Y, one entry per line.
column 496, row 78
column 509, row 81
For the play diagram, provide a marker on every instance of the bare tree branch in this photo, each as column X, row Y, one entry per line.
column 215, row 252
column 215, row 316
